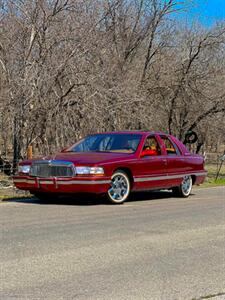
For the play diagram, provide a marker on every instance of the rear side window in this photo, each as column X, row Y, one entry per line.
column 171, row 148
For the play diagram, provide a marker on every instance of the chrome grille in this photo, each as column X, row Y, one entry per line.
column 52, row 168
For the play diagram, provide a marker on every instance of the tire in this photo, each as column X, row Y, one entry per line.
column 190, row 137
column 119, row 190
column 184, row 190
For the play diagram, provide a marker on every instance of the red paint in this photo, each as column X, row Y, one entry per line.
column 146, row 168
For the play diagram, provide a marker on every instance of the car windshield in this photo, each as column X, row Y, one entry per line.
column 121, row 143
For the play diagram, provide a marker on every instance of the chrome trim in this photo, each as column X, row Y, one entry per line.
column 91, row 182
column 143, row 179
column 46, row 181
column 83, row 182
column 55, row 163
column 62, row 182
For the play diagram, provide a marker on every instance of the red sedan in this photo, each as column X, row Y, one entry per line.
column 114, row 163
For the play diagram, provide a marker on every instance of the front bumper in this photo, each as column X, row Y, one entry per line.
column 96, row 185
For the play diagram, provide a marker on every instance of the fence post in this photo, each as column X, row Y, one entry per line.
column 29, row 152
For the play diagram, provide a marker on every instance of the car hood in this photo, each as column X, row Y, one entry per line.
column 90, row 158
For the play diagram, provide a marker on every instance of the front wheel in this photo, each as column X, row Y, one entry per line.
column 184, row 190
column 120, row 187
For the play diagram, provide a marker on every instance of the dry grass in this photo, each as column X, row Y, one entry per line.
column 7, row 189
column 213, row 169
column 211, row 176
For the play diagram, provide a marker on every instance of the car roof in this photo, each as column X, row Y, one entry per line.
column 146, row 132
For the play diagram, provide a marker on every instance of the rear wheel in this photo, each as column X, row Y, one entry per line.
column 120, row 187
column 185, row 188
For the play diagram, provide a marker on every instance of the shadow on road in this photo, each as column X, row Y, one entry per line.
column 88, row 199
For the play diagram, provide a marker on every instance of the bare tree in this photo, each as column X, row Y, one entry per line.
column 72, row 67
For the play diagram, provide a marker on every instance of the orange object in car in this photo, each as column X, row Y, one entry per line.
column 149, row 152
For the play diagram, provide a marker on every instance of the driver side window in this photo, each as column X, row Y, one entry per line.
column 151, row 146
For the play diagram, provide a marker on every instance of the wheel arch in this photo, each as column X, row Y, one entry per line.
column 128, row 172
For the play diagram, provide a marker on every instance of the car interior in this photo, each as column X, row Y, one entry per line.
column 151, row 147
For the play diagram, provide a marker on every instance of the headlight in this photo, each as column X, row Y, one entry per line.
column 89, row 170
column 24, row 169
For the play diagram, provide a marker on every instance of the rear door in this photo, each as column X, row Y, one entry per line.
column 175, row 161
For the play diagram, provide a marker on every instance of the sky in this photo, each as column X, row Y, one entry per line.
column 206, row 12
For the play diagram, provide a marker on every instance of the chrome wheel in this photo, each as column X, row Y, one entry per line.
column 186, row 186
column 120, row 187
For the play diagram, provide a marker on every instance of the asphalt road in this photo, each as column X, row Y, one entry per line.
column 152, row 247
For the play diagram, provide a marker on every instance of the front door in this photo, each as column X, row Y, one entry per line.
column 152, row 171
